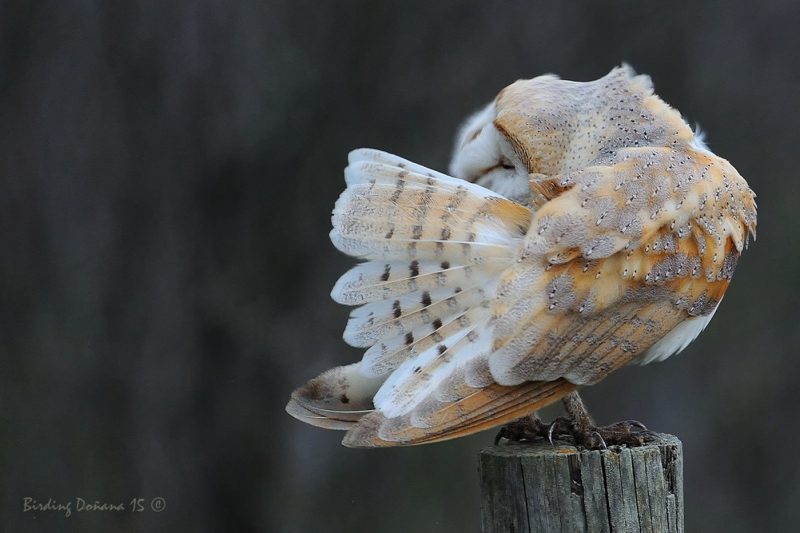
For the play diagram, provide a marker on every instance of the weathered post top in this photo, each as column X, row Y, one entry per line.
column 539, row 487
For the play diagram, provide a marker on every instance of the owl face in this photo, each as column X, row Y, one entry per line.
column 484, row 156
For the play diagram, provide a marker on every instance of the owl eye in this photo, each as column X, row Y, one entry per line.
column 503, row 164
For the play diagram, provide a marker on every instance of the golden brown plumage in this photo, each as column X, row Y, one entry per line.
column 477, row 310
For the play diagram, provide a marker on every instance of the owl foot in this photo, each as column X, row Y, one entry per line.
column 577, row 427
column 629, row 433
column 587, row 434
column 524, row 429
column 626, row 433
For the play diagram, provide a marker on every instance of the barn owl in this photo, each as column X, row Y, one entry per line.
column 583, row 226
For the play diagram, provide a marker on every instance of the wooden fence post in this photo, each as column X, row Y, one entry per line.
column 538, row 487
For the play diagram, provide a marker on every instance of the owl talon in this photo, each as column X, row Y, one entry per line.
column 560, row 427
column 631, row 426
column 602, row 443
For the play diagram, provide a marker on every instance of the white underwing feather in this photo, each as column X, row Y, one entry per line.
column 388, row 354
column 436, row 246
column 416, row 378
column 676, row 340
column 366, row 164
column 374, row 280
column 388, row 318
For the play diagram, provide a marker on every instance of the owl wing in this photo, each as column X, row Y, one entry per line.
column 434, row 249
column 621, row 256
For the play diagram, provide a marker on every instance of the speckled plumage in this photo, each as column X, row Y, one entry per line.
column 616, row 245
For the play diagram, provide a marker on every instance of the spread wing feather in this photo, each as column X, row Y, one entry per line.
column 435, row 247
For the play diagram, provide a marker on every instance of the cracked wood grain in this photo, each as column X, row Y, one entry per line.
column 538, row 487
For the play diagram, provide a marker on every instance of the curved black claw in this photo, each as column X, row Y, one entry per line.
column 628, row 425
column 602, row 442
column 560, row 427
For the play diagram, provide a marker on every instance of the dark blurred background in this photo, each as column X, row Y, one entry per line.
column 167, row 172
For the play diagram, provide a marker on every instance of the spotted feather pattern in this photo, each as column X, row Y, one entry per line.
column 475, row 310
column 436, row 247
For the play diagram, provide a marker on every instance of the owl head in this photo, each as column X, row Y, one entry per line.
column 547, row 126
column 485, row 156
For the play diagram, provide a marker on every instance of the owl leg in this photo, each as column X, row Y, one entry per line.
column 587, row 434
